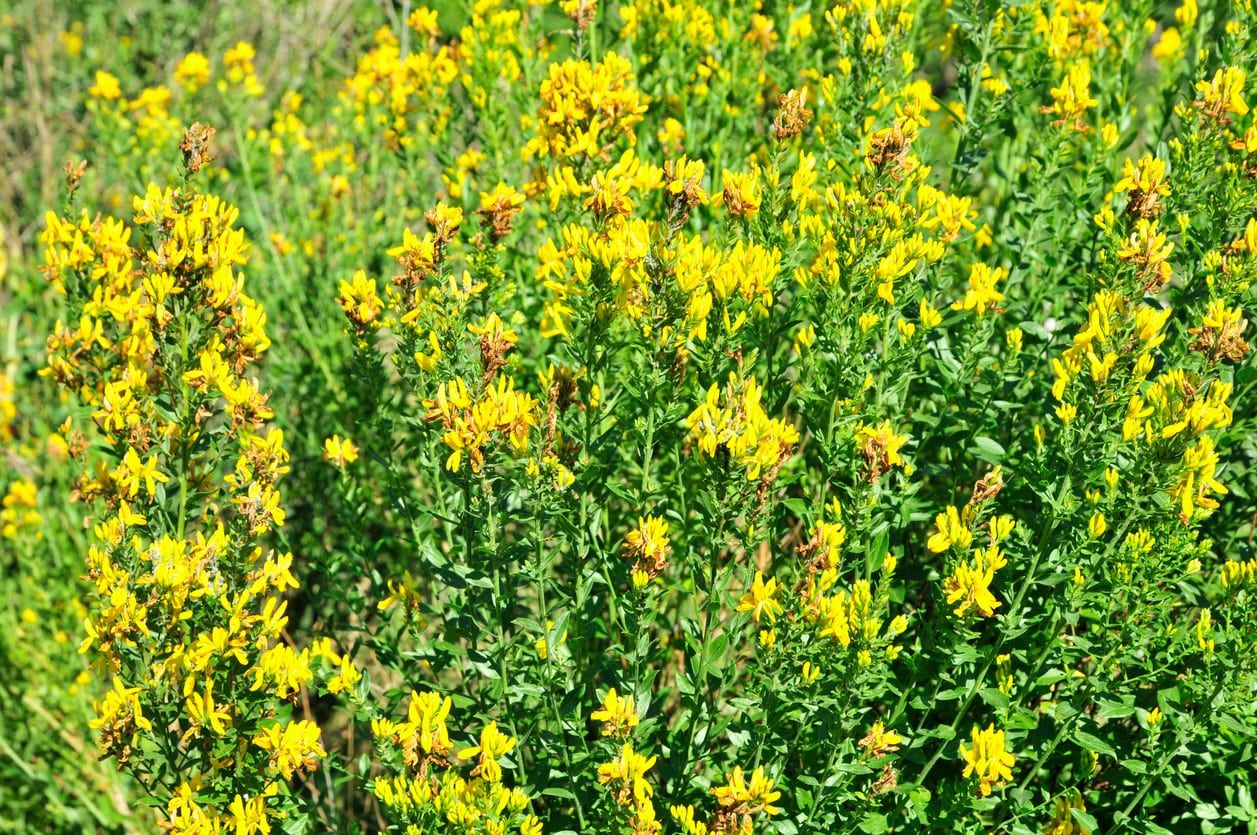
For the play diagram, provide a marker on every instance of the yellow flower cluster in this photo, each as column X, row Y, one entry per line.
column 852, row 618
column 1145, row 182
column 618, row 714
column 8, row 409
column 648, row 546
column 586, row 109
column 403, row 96
column 1072, row 98
column 614, row 225
column 18, row 514
column 626, row 777
column 736, row 425
column 1118, row 342
column 981, row 294
column 1223, row 95
column 761, row 599
column 471, row 426
column 1236, row 574
column 434, row 794
column 969, row 584
column 741, row 278
column 188, row 611
column 1063, row 821
column 879, row 447
column 987, row 759
column 740, row 801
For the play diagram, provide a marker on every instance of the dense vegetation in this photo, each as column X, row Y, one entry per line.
column 628, row 417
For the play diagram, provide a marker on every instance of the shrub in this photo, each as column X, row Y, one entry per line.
column 697, row 418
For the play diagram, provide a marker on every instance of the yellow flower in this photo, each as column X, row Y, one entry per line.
column 106, row 87
column 133, row 473
column 346, row 678
column 879, row 741
column 340, row 451
column 424, row 21
column 1186, row 13
column 360, row 301
column 761, row 599
column 19, row 514
column 283, row 669
column 879, row 447
column 1145, row 181
column 981, row 294
column 248, row 815
column 672, row 134
column 1004, row 673
column 628, row 770
column 586, row 108
column 1063, row 822
column 970, row 584
column 501, row 413
column 741, row 195
column 929, row 316
column 493, row 746
column 1223, row 94
column 952, row 530
column 293, row 746
column 204, row 713
column 499, row 207
column 617, row 715
column 193, row 71
column 1169, row 47
column 748, row 798
column 1219, row 335
column 758, row 443
column 1198, row 480
column 118, row 718
column 987, row 759
column 1204, row 631
column 685, row 817
column 401, row 592
column 804, row 339
column 240, row 71
column 1072, row 99
column 683, row 180
column 424, row 732
column 72, row 40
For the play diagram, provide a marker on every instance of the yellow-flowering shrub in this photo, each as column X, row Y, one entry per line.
column 697, row 418
column 187, row 614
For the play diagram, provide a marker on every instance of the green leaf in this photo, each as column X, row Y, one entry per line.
column 874, row 823
column 1114, row 710
column 1093, row 743
column 1088, row 822
column 988, row 450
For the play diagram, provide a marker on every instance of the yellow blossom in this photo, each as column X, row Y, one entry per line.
column 340, row 451
column 987, row 759
column 761, row 599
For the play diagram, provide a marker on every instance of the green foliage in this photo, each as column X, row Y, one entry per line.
column 847, row 403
